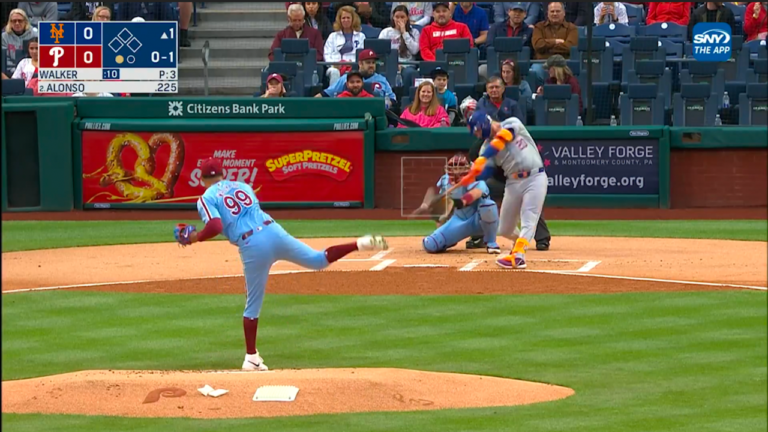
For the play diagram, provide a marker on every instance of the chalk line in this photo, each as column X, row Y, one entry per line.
column 382, row 265
column 588, row 266
column 471, row 265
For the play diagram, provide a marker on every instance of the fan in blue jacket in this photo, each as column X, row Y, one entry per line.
column 495, row 104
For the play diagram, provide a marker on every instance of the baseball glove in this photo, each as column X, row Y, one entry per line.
column 182, row 233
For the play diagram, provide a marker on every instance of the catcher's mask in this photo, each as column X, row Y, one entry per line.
column 457, row 167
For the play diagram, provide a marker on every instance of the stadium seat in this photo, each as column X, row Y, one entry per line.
column 513, row 92
column 641, row 48
column 370, row 32
column 668, row 30
column 387, row 63
column 557, row 106
column 706, row 73
column 506, row 48
column 635, row 14
column 694, row 106
column 292, row 79
column 673, row 49
column 602, row 58
column 462, row 61
column 298, row 51
column 758, row 74
column 14, row 87
column 757, row 48
column 621, row 32
column 426, row 68
column 753, row 105
column 738, row 11
column 652, row 72
column 642, row 106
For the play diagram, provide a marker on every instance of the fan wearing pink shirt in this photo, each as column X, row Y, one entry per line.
column 426, row 110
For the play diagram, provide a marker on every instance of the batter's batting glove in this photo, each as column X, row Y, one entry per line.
column 182, row 233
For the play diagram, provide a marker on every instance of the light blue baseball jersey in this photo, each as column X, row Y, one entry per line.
column 237, row 206
column 467, row 212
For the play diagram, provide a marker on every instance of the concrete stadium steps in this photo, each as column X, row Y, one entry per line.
column 239, row 35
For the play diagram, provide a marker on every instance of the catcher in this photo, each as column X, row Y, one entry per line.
column 231, row 208
column 466, row 211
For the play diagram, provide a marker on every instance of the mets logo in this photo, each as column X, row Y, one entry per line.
column 57, row 33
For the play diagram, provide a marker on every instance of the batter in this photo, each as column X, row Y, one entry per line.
column 510, row 146
column 231, row 208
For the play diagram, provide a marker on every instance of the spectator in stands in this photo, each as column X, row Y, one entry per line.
column 102, row 13
column 561, row 74
column 185, row 16
column 420, row 13
column 40, row 11
column 354, row 86
column 444, row 27
column 367, row 66
column 514, row 26
column 495, row 104
column 149, row 11
column 553, row 36
column 510, row 74
column 17, row 31
column 475, row 19
column 314, row 15
column 27, row 67
column 440, row 80
column 711, row 12
column 86, row 11
column 426, row 110
column 404, row 39
column 343, row 43
column 611, row 12
column 375, row 14
column 275, row 87
column 5, row 10
column 578, row 13
column 675, row 12
column 756, row 21
column 298, row 29
column 501, row 12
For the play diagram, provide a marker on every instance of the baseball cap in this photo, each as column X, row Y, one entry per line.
column 518, row 5
column 438, row 71
column 446, row 4
column 355, row 72
column 556, row 60
column 210, row 168
column 276, row 76
column 367, row 54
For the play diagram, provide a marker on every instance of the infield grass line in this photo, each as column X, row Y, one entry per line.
column 576, row 273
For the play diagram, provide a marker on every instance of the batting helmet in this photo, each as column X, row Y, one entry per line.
column 480, row 121
column 457, row 167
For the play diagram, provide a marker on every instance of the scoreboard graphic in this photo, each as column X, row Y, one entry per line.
column 109, row 57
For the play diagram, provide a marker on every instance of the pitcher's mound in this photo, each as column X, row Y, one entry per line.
column 321, row 391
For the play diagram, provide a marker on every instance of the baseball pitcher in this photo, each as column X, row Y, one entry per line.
column 474, row 213
column 510, row 146
column 231, row 208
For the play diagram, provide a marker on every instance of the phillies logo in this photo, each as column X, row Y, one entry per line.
column 56, row 53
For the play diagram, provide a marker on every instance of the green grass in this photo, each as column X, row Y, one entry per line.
column 30, row 235
column 689, row 362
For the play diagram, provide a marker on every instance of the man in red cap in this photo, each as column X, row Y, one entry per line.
column 433, row 35
column 232, row 209
column 366, row 62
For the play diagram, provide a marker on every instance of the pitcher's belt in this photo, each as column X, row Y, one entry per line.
column 250, row 233
column 526, row 174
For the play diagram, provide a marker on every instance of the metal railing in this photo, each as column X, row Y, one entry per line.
column 206, row 55
column 194, row 12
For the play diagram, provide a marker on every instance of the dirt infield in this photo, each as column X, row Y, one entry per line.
column 574, row 265
column 330, row 391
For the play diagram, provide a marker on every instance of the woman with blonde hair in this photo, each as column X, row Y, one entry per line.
column 561, row 74
column 426, row 110
column 17, row 31
column 102, row 13
column 343, row 43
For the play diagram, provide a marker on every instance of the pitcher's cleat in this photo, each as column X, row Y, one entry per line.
column 254, row 362
column 372, row 242
column 493, row 248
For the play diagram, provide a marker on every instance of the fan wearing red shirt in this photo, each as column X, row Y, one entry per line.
column 442, row 28
column 676, row 12
column 354, row 86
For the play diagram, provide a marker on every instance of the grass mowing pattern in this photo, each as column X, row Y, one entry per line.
column 30, row 235
column 638, row 362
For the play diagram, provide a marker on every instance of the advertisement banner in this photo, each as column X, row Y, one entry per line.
column 601, row 167
column 138, row 167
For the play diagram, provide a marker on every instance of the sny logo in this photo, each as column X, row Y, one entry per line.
column 57, row 33
column 712, row 42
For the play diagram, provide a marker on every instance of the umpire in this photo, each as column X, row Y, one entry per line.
column 496, row 186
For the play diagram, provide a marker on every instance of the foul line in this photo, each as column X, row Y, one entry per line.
column 588, row 266
column 471, row 265
column 573, row 273
column 382, row 265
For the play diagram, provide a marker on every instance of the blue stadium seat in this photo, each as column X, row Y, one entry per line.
column 694, row 106
column 642, row 106
column 753, row 105
column 370, row 32
column 738, row 11
column 641, row 48
column 757, row 48
column 673, row 49
column 14, row 87
column 557, row 106
column 602, row 58
column 426, row 68
column 621, row 32
column 735, row 89
column 635, row 14
column 759, row 74
column 705, row 73
column 298, row 51
column 505, row 48
column 652, row 72
column 462, row 61
column 670, row 30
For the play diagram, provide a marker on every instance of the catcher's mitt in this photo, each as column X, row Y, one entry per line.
column 182, row 232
